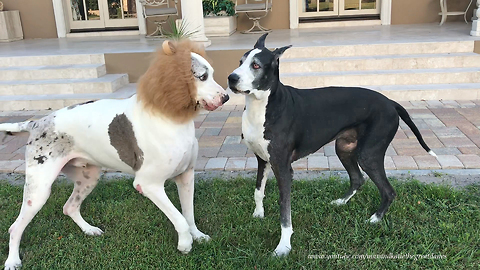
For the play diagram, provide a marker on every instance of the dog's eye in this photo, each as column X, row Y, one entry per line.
column 203, row 77
column 255, row 66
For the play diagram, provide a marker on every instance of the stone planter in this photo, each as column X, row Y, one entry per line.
column 10, row 26
column 220, row 26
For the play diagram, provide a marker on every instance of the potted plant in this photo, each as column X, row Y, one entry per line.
column 219, row 17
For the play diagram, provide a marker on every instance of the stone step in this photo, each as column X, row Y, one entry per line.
column 55, row 102
column 380, row 49
column 454, row 91
column 380, row 62
column 52, row 72
column 106, row 84
column 382, row 77
column 52, row 60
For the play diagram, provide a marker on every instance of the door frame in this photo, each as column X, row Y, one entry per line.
column 104, row 20
column 62, row 19
column 338, row 10
column 385, row 12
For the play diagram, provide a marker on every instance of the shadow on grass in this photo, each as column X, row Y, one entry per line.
column 424, row 220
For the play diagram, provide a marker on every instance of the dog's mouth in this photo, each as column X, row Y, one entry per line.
column 236, row 91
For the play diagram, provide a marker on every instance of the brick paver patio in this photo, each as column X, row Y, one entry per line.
column 450, row 128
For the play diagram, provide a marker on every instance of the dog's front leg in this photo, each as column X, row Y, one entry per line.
column 155, row 191
column 262, row 176
column 283, row 172
column 185, row 185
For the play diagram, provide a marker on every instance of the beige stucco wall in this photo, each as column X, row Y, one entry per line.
column 476, row 47
column 37, row 17
column 426, row 11
column 135, row 64
column 277, row 19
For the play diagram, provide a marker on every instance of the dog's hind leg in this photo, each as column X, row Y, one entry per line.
column 40, row 175
column 186, row 185
column 85, row 179
column 151, row 186
column 371, row 158
column 345, row 147
column 264, row 169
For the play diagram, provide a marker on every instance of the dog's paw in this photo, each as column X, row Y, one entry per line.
column 373, row 219
column 338, row 202
column 185, row 243
column 91, row 230
column 200, row 237
column 281, row 251
column 258, row 213
column 12, row 264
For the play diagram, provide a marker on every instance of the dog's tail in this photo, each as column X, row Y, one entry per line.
column 10, row 128
column 406, row 118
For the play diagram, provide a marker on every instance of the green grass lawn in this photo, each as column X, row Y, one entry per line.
column 424, row 220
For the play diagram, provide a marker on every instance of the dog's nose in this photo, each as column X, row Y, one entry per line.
column 233, row 79
column 225, row 99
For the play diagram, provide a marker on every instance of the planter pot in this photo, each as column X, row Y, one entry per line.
column 10, row 26
column 220, row 26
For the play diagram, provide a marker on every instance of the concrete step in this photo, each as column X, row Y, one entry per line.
column 382, row 77
column 380, row 49
column 454, row 91
column 106, row 84
column 52, row 72
column 52, row 60
column 55, row 102
column 380, row 62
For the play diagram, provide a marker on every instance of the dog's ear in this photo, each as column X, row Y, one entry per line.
column 261, row 42
column 279, row 51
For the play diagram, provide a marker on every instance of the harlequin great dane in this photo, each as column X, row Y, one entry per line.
column 282, row 124
column 150, row 135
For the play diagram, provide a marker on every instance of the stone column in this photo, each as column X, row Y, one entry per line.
column 60, row 18
column 476, row 23
column 192, row 16
column 142, row 23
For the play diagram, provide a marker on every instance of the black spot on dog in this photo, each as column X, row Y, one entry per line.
column 44, row 135
column 49, row 153
column 79, row 183
column 123, row 139
column 78, row 198
column 40, row 159
column 86, row 174
column 79, row 104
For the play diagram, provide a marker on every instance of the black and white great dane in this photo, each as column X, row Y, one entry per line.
column 282, row 124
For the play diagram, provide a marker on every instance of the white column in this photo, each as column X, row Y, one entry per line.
column 386, row 12
column 293, row 14
column 142, row 24
column 192, row 16
column 60, row 18
column 476, row 23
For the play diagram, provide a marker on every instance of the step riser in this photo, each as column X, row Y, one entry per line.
column 379, row 49
column 379, row 64
column 452, row 94
column 381, row 79
column 39, row 104
column 21, row 75
column 61, row 88
column 406, row 95
column 52, row 60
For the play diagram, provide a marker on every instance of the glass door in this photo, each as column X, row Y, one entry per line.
column 120, row 13
column 358, row 7
column 101, row 14
column 319, row 8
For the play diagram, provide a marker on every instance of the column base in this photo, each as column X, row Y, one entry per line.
column 475, row 28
